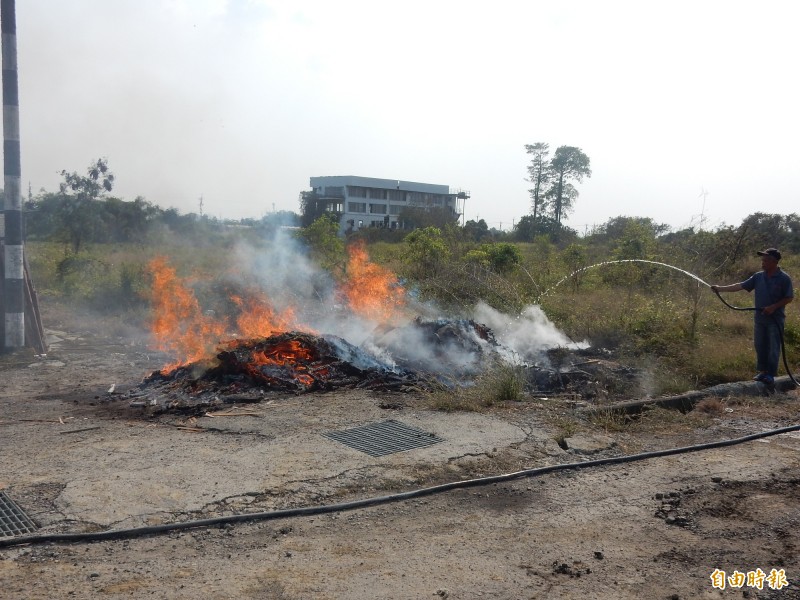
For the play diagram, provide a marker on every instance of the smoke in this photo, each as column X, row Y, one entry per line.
column 409, row 336
column 288, row 276
column 529, row 334
column 451, row 348
column 290, row 279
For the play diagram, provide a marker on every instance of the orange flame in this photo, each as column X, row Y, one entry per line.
column 287, row 354
column 258, row 319
column 182, row 329
column 179, row 326
column 371, row 290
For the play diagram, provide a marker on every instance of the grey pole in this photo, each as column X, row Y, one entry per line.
column 14, row 282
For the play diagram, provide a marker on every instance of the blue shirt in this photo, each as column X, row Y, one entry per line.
column 769, row 290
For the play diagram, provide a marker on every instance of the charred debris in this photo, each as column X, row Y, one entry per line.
column 420, row 356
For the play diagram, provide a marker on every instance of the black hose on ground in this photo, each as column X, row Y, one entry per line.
column 780, row 333
column 119, row 534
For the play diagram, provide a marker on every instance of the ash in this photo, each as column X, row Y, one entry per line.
column 419, row 356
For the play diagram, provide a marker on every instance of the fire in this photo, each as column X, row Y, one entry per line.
column 182, row 329
column 258, row 319
column 179, row 326
column 290, row 354
column 371, row 290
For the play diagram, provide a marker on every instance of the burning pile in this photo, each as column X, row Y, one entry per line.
column 270, row 349
column 299, row 362
column 274, row 345
column 288, row 362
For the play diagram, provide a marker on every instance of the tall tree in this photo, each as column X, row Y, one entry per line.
column 77, row 194
column 569, row 164
column 539, row 174
column 476, row 231
column 562, row 206
column 312, row 207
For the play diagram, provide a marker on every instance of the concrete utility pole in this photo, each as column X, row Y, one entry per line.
column 14, row 281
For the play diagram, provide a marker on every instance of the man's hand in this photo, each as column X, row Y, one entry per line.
column 768, row 310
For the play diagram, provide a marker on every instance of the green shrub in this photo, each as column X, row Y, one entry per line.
column 508, row 383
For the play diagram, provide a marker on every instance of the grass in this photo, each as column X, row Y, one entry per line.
column 451, row 400
column 656, row 329
column 610, row 420
column 504, row 383
column 646, row 324
column 499, row 383
column 114, row 279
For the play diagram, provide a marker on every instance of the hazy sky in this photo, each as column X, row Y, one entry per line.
column 241, row 101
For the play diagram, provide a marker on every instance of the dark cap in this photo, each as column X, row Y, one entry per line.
column 773, row 252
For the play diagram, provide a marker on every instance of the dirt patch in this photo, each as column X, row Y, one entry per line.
column 80, row 458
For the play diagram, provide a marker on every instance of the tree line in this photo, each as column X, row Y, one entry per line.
column 84, row 211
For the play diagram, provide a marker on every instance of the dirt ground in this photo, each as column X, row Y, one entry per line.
column 77, row 458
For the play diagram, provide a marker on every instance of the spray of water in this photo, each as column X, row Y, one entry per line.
column 616, row 262
column 529, row 334
column 292, row 282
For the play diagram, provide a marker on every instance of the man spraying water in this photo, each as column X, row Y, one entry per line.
column 774, row 291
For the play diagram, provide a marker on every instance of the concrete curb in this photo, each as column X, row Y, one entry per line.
column 686, row 402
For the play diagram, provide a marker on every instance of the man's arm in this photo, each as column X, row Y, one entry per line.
column 734, row 287
column 768, row 310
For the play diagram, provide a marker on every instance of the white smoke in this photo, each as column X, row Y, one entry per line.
column 286, row 274
column 530, row 334
column 283, row 271
column 290, row 279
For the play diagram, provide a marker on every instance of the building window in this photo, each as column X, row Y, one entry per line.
column 334, row 191
column 356, row 192
column 376, row 194
column 357, row 207
column 377, row 209
column 394, row 209
column 395, row 195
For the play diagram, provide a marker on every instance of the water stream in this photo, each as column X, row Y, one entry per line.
column 614, row 262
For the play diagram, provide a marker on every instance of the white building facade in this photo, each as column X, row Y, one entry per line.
column 371, row 202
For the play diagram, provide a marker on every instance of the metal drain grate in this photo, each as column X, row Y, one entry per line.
column 13, row 520
column 386, row 437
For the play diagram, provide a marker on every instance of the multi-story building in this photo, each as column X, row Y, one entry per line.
column 371, row 202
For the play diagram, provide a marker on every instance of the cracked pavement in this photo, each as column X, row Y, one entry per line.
column 118, row 466
column 79, row 459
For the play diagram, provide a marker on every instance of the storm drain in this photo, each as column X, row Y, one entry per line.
column 13, row 520
column 386, row 437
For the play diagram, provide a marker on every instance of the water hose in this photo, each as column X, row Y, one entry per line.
column 777, row 324
column 120, row 534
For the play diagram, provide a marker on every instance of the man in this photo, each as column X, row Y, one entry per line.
column 773, row 291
